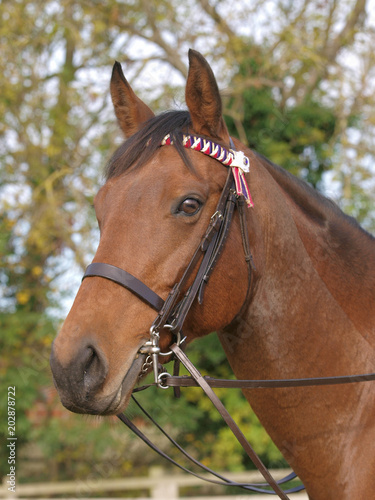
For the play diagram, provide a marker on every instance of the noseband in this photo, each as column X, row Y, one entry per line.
column 173, row 311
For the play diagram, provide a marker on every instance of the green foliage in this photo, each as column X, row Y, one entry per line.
column 295, row 136
column 43, row 193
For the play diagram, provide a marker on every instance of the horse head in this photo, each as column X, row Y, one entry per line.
column 152, row 212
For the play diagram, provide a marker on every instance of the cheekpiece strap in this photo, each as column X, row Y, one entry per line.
column 239, row 163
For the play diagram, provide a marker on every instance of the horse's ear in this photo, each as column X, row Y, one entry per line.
column 130, row 111
column 203, row 99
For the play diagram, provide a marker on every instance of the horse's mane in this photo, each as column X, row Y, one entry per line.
column 317, row 207
column 141, row 146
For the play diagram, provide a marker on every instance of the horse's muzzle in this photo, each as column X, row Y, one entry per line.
column 81, row 383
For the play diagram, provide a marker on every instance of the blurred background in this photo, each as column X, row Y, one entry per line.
column 297, row 80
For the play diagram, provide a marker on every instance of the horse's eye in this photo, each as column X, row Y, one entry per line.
column 189, row 207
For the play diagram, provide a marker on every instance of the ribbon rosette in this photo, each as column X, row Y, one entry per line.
column 241, row 165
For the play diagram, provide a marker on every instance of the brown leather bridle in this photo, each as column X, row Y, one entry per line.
column 171, row 316
column 173, row 311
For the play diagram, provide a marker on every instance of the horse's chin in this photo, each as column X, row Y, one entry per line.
column 112, row 404
column 121, row 400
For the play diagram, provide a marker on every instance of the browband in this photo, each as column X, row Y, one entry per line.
column 239, row 163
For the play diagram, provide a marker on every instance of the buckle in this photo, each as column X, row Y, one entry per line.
column 215, row 223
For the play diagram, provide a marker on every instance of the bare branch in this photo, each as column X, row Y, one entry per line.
column 219, row 21
column 156, row 37
column 331, row 49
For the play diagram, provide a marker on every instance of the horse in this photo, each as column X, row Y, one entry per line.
column 306, row 309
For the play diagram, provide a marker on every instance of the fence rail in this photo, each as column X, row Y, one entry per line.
column 160, row 485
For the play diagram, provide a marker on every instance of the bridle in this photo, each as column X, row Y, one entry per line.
column 173, row 311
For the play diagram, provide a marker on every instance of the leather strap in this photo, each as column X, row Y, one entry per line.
column 222, row 480
column 186, row 381
column 126, row 280
column 221, row 239
column 229, row 421
column 175, row 312
column 174, row 309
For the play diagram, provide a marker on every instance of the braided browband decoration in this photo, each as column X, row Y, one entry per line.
column 238, row 162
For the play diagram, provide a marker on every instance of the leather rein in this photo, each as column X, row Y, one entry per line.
column 173, row 311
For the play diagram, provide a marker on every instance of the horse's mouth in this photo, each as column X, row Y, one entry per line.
column 122, row 397
column 112, row 404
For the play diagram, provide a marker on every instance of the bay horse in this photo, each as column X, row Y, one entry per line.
column 307, row 311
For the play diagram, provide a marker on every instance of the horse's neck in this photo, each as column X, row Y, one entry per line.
column 327, row 245
column 312, row 314
column 313, row 279
column 342, row 254
column 316, row 279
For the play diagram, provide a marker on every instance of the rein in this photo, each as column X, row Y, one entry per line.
column 207, row 383
column 173, row 311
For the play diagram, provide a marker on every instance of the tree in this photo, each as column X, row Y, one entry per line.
column 295, row 137
column 313, row 70
column 45, row 143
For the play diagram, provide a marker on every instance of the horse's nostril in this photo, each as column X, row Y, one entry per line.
column 91, row 358
column 95, row 368
column 82, row 376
